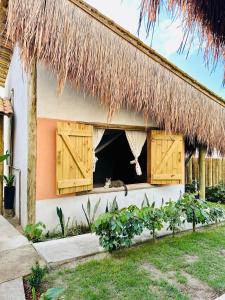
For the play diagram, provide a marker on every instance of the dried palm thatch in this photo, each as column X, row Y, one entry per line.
column 5, row 46
column 202, row 18
column 95, row 60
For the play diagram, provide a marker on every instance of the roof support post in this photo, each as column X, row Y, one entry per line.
column 189, row 172
column 32, row 144
column 210, row 170
column 202, row 155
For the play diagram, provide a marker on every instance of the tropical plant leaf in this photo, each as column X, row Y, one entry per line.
column 95, row 210
column 52, row 294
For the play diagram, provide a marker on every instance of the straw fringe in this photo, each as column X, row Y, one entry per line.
column 204, row 19
column 96, row 61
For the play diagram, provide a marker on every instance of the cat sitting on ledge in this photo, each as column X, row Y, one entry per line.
column 109, row 183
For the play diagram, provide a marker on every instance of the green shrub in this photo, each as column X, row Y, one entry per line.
column 9, row 180
column 192, row 188
column 173, row 215
column 216, row 213
column 116, row 229
column 196, row 210
column 89, row 213
column 34, row 232
column 37, row 275
column 112, row 207
column 216, row 193
column 152, row 218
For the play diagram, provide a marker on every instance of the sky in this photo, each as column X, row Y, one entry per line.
column 166, row 41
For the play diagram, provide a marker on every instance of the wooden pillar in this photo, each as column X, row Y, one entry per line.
column 202, row 154
column 2, row 163
column 210, row 172
column 220, row 170
column 189, row 172
column 32, row 144
column 195, row 169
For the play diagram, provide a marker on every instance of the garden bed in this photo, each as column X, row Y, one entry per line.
column 188, row 266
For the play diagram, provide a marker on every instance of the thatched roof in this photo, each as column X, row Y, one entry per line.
column 6, row 107
column 5, row 46
column 97, row 56
column 202, row 18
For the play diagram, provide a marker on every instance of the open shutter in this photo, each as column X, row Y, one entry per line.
column 74, row 160
column 165, row 158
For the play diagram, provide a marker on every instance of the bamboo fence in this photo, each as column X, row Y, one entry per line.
column 215, row 171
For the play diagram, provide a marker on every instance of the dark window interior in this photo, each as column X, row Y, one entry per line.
column 114, row 160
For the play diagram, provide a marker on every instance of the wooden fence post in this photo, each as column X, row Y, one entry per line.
column 32, row 144
column 202, row 154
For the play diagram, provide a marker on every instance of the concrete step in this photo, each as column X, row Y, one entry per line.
column 10, row 238
column 18, row 262
column 12, row 290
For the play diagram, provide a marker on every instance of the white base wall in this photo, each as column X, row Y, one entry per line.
column 17, row 80
column 72, row 206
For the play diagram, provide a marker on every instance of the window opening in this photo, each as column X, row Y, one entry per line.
column 114, row 156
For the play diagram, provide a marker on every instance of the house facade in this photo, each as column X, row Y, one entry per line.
column 72, row 131
column 76, row 109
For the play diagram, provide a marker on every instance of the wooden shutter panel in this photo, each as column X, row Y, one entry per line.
column 74, row 162
column 165, row 158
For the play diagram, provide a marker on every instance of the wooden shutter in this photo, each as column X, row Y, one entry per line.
column 165, row 158
column 74, row 162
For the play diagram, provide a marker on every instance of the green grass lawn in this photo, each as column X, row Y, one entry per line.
column 171, row 268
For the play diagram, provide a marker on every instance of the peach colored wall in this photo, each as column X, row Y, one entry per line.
column 46, row 161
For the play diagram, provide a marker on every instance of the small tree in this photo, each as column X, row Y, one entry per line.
column 216, row 213
column 173, row 215
column 196, row 210
column 152, row 218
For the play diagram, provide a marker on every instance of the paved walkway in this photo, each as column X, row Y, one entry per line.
column 17, row 256
column 12, row 290
column 10, row 238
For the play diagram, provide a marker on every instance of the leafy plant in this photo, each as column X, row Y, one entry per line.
column 34, row 294
column 145, row 202
column 34, row 232
column 216, row 193
column 113, row 207
column 4, row 156
column 152, row 218
column 61, row 219
column 89, row 215
column 52, row 294
column 9, row 180
column 196, row 210
column 216, row 213
column 37, row 275
column 116, row 229
column 173, row 215
column 192, row 188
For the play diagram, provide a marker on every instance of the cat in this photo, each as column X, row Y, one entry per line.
column 109, row 183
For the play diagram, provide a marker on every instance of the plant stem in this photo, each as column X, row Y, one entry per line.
column 194, row 223
column 153, row 234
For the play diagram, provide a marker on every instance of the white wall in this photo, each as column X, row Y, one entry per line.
column 72, row 206
column 74, row 106
column 17, row 80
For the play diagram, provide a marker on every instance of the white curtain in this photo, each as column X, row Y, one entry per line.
column 136, row 140
column 97, row 136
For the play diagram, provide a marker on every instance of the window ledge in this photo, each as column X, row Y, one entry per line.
column 130, row 187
